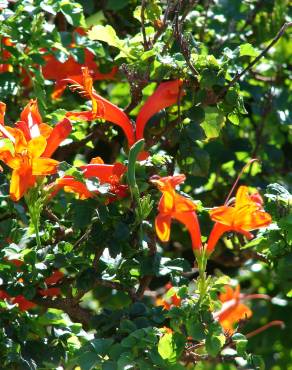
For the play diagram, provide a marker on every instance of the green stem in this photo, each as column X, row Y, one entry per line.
column 35, row 220
column 203, row 280
column 133, row 155
column 34, row 205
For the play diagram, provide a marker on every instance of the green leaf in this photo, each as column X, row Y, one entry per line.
column 82, row 212
column 196, row 114
column 247, row 50
column 240, row 342
column 116, row 5
column 213, row 123
column 153, row 10
column 101, row 345
column 73, row 13
column 195, row 329
column 171, row 346
column 214, row 343
column 194, row 160
column 106, row 34
column 233, row 118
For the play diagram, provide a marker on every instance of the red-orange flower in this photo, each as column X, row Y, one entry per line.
column 106, row 173
column 23, row 303
column 245, row 215
column 233, row 310
column 52, row 280
column 5, row 55
column 71, row 69
column 175, row 206
column 29, row 147
column 166, row 94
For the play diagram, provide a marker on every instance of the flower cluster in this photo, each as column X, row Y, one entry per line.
column 27, row 147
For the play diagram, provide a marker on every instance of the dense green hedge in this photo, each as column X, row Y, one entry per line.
column 86, row 279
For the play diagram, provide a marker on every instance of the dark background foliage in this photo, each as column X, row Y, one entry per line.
column 221, row 122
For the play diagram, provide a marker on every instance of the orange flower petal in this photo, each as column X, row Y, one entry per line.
column 23, row 304
column 217, row 231
column 54, row 278
column 44, row 166
column 59, row 133
column 2, row 112
column 102, row 108
column 97, row 160
column 20, row 182
column 190, row 220
column 50, row 292
column 183, row 204
column 36, row 146
column 70, row 185
column 233, row 316
column 162, row 226
column 32, row 118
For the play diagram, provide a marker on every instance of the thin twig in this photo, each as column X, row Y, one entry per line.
column 68, row 305
column 116, row 286
column 181, row 40
column 251, row 16
column 202, row 31
column 96, row 258
column 251, row 64
column 145, row 42
column 144, row 282
column 265, row 327
column 170, row 7
column 7, row 216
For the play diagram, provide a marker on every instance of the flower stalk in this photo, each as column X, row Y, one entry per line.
column 35, row 202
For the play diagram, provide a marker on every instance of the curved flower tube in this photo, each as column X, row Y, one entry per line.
column 175, row 206
column 246, row 215
column 166, row 94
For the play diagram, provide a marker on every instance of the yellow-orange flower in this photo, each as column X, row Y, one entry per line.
column 27, row 148
column 175, row 206
column 26, row 162
column 246, row 215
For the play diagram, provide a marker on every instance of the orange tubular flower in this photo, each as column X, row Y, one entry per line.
column 70, row 69
column 233, row 310
column 246, row 215
column 166, row 94
column 175, row 206
column 110, row 174
column 31, row 145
